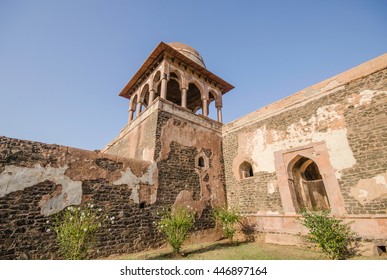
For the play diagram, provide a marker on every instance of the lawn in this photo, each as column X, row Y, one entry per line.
column 222, row 250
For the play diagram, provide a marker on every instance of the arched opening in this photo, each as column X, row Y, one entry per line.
column 173, row 89
column 246, row 170
column 212, row 111
column 306, row 181
column 194, row 98
column 157, row 84
column 201, row 162
column 133, row 106
column 145, row 96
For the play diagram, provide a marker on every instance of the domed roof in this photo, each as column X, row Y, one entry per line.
column 189, row 52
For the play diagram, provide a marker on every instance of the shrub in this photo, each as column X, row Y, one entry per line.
column 333, row 236
column 175, row 225
column 76, row 228
column 228, row 219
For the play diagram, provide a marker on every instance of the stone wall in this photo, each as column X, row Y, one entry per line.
column 137, row 139
column 341, row 125
column 38, row 180
column 180, row 145
column 175, row 141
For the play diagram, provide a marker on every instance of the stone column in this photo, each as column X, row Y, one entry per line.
column 184, row 97
column 138, row 108
column 151, row 96
column 205, row 107
column 220, row 114
column 130, row 115
column 164, row 81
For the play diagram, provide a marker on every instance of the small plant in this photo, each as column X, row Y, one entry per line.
column 175, row 225
column 228, row 219
column 76, row 228
column 333, row 236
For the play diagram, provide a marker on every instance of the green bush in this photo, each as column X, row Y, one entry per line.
column 228, row 219
column 333, row 236
column 175, row 225
column 76, row 228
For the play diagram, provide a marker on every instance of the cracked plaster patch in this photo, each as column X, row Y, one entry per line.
column 368, row 190
column 15, row 178
column 148, row 178
column 262, row 143
column 364, row 97
column 272, row 187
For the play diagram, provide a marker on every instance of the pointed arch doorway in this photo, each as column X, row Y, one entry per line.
column 307, row 179
column 308, row 185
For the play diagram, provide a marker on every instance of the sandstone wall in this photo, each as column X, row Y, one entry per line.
column 136, row 140
column 175, row 139
column 189, row 158
column 340, row 124
column 38, row 180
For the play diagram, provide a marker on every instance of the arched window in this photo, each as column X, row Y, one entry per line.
column 246, row 170
column 144, row 96
column 308, row 185
column 201, row 162
column 212, row 111
column 133, row 106
column 173, row 89
column 194, row 98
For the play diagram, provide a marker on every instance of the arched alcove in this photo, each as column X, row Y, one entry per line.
column 307, row 184
column 194, row 98
column 173, row 91
column 133, row 104
column 211, row 107
column 144, row 97
column 201, row 162
column 245, row 170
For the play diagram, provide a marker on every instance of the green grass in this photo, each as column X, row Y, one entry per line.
column 227, row 251
column 237, row 251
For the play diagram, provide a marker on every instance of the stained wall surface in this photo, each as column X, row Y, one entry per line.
column 189, row 158
column 330, row 138
column 339, row 124
column 38, row 180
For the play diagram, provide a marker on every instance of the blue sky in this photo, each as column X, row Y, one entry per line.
column 63, row 63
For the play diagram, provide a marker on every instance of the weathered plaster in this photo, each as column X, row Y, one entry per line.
column 149, row 178
column 255, row 145
column 367, row 190
column 272, row 187
column 15, row 178
column 201, row 138
column 364, row 97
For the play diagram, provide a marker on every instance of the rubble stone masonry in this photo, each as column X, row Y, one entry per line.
column 38, row 180
column 325, row 146
column 341, row 125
